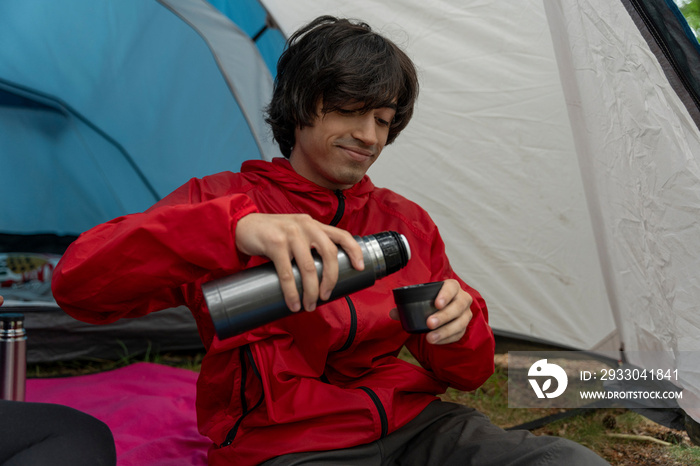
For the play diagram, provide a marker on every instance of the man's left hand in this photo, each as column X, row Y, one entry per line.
column 453, row 315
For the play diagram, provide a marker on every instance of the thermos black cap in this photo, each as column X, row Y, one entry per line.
column 395, row 249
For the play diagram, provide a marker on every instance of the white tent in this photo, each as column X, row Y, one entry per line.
column 560, row 164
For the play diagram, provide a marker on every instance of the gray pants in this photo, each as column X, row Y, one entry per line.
column 450, row 434
column 40, row 434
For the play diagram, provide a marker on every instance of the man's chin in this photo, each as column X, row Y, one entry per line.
column 346, row 182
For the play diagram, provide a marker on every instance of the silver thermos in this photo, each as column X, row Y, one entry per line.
column 13, row 356
column 253, row 297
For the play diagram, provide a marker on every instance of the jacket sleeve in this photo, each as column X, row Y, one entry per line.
column 469, row 362
column 137, row 264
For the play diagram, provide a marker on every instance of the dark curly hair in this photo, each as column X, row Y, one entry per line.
column 339, row 61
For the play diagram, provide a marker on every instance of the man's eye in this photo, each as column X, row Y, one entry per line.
column 382, row 122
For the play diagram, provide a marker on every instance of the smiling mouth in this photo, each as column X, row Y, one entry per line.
column 358, row 152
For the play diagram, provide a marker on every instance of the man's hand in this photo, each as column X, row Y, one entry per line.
column 283, row 237
column 453, row 315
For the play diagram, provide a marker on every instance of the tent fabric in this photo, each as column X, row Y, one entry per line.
column 558, row 161
column 490, row 154
column 54, row 336
column 640, row 160
column 107, row 107
column 255, row 21
column 149, row 408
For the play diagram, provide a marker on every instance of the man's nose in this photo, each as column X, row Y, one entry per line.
column 365, row 129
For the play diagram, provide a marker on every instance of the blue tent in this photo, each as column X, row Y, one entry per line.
column 106, row 107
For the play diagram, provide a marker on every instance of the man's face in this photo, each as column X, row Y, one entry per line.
column 339, row 148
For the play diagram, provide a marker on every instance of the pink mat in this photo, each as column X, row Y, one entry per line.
column 150, row 409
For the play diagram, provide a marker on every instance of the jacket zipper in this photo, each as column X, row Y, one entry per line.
column 380, row 409
column 353, row 313
column 351, row 333
column 341, row 207
column 244, row 352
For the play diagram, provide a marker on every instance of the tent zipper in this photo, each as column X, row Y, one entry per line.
column 380, row 409
column 341, row 207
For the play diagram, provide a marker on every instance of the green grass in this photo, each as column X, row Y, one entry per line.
column 191, row 360
column 687, row 455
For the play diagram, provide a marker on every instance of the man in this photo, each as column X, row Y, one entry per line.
column 325, row 386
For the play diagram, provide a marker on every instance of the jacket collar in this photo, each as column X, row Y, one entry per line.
column 280, row 172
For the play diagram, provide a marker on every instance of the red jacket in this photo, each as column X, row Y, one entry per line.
column 318, row 380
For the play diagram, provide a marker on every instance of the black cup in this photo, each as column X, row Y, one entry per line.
column 415, row 304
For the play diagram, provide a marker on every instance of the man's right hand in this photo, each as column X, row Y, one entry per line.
column 283, row 237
